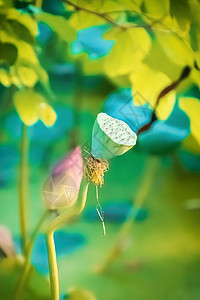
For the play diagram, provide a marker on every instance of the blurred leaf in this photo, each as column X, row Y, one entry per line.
column 19, row 24
column 27, row 69
column 90, row 40
column 181, row 11
column 27, row 75
column 158, row 59
column 31, row 106
column 6, row 3
column 81, row 20
column 165, row 136
column 175, row 48
column 84, row 19
column 195, row 25
column 134, row 43
column 8, row 53
column 80, row 294
column 191, row 145
column 156, row 8
column 58, row 24
column 10, row 271
column 148, row 83
column 5, row 77
column 191, row 106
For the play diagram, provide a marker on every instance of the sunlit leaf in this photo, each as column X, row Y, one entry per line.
column 80, row 20
column 134, row 43
column 191, row 106
column 26, row 61
column 31, row 106
column 20, row 25
column 58, row 24
column 5, row 77
column 158, row 59
column 27, row 76
column 46, row 114
column 156, row 8
column 176, row 48
column 191, row 145
column 148, row 83
column 181, row 11
column 195, row 25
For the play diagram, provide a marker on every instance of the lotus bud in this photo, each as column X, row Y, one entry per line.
column 111, row 137
column 6, row 243
column 61, row 189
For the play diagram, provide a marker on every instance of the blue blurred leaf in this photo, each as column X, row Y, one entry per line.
column 64, row 242
column 120, row 105
column 116, row 212
column 190, row 161
column 90, row 40
column 164, row 136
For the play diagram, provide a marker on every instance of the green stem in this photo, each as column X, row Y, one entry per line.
column 118, row 247
column 22, row 188
column 53, row 268
column 27, row 266
column 70, row 212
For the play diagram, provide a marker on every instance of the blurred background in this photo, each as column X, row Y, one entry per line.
column 62, row 63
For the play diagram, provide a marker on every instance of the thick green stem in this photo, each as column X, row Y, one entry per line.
column 27, row 266
column 22, row 188
column 70, row 212
column 118, row 247
column 53, row 268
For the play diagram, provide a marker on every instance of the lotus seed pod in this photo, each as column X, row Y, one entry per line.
column 61, row 189
column 111, row 137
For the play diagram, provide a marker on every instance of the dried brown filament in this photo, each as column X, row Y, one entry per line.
column 94, row 169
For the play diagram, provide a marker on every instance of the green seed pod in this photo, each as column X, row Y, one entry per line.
column 111, row 137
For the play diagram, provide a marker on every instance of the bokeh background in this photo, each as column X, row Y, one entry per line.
column 76, row 58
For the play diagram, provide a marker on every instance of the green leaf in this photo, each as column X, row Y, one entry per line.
column 59, row 25
column 5, row 77
column 191, row 106
column 10, row 272
column 181, row 11
column 27, row 67
column 176, row 48
column 195, row 25
column 134, row 43
column 31, row 107
column 8, row 53
column 80, row 294
column 156, row 8
column 6, row 3
column 148, row 83
column 96, row 13
column 19, row 24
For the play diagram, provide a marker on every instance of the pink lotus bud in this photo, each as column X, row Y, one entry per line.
column 6, row 243
column 62, row 187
